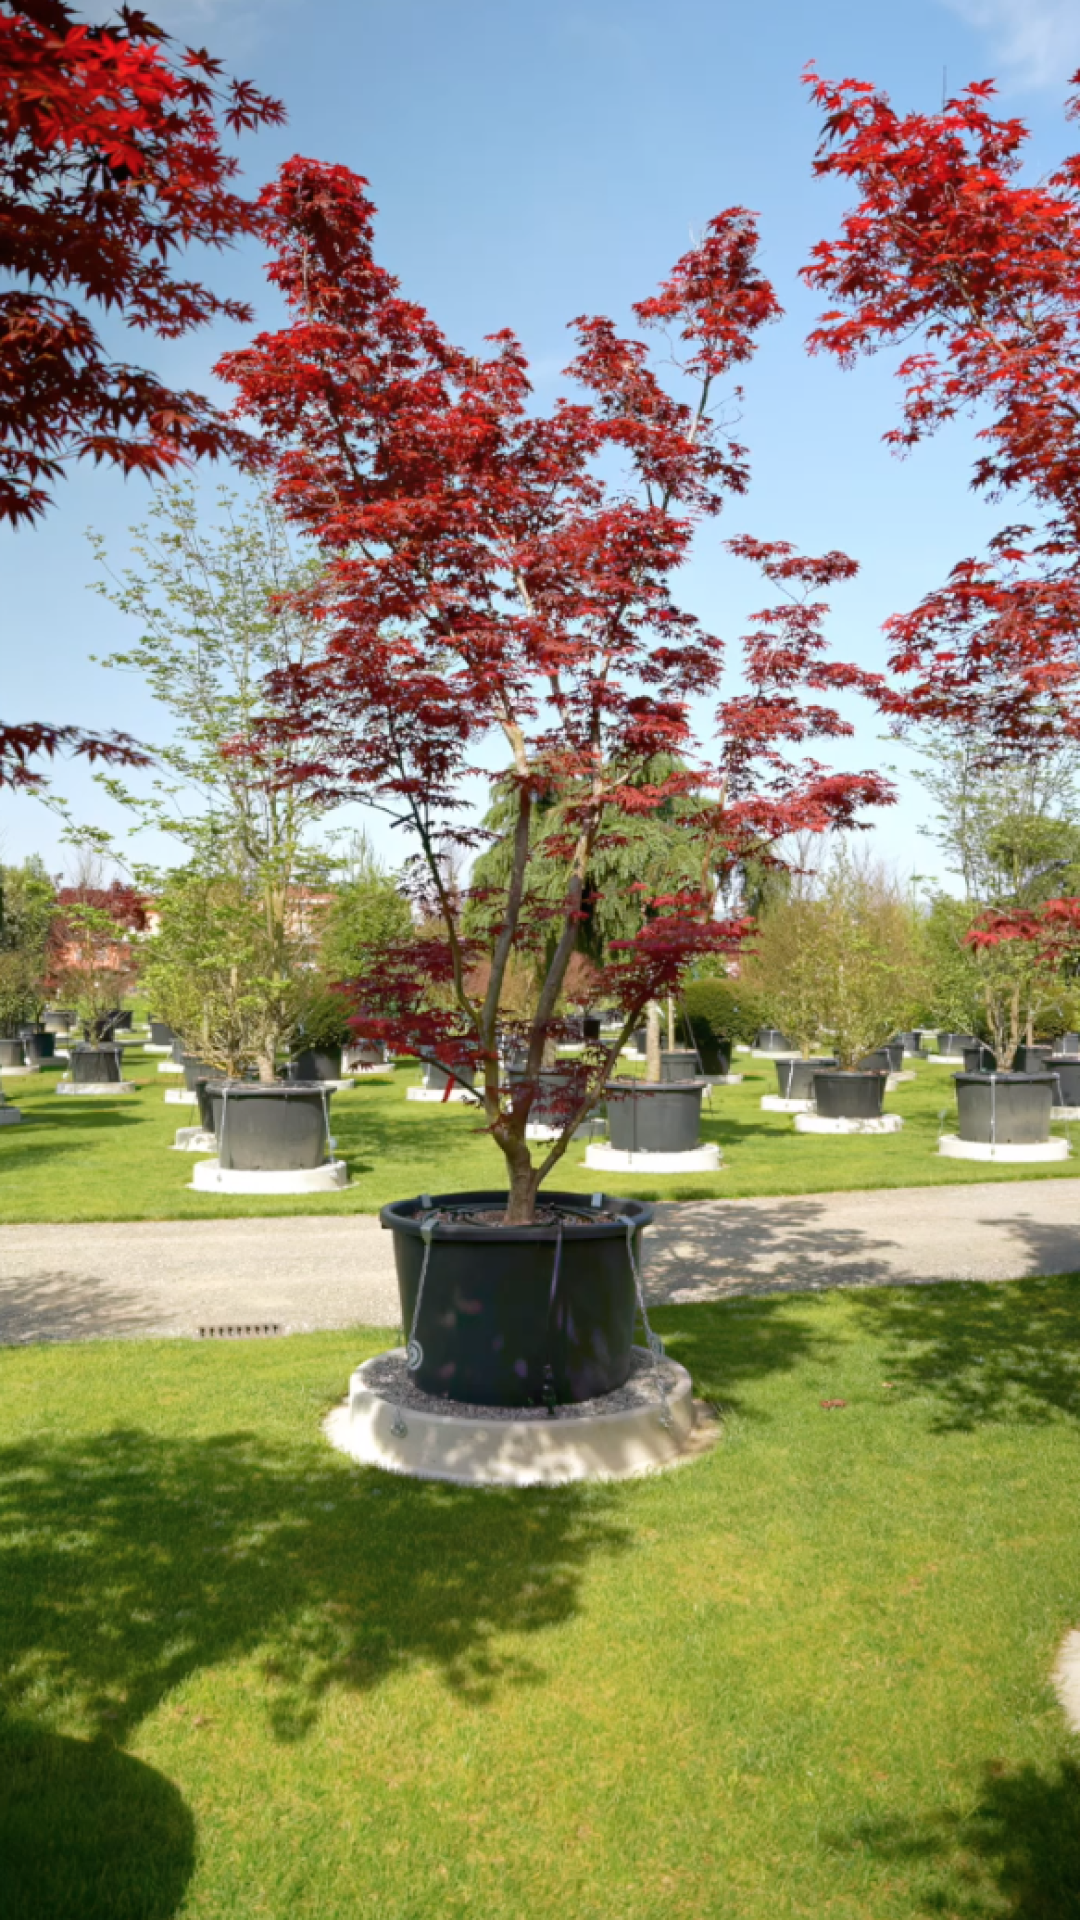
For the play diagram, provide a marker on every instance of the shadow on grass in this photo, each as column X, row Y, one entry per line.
column 727, row 1345
column 1015, row 1856
column 87, row 1831
column 982, row 1353
column 130, row 1562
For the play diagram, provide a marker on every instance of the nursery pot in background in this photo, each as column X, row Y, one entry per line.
column 678, row 1063
column 194, row 1071
column 795, row 1078
column 1007, row 1109
column 161, row 1034
column 590, row 1029
column 889, row 1059
column 436, row 1076
column 39, row 1046
column 368, row 1053
column 771, row 1040
column 848, row 1096
column 715, row 1057
column 955, row 1042
column 92, row 1062
column 515, row 1316
column 316, row 1063
column 12, row 1053
column 980, row 1059
column 544, row 1111
column 911, row 1042
column 1031, row 1059
column 272, row 1129
column 647, row 1118
column 1065, row 1068
column 1067, row 1044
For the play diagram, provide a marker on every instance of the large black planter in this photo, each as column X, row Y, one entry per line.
column 194, row 1071
column 590, row 1029
column 955, row 1042
column 316, row 1063
column 1065, row 1068
column 910, row 1042
column 771, row 1040
column 715, row 1057
column 515, row 1316
column 795, row 1078
column 209, row 1096
column 887, row 1059
column 1067, row 1044
column 639, row 1040
column 95, row 1063
column 1031, row 1059
column 122, row 1021
column 39, row 1046
column 12, row 1053
column 161, row 1035
column 848, row 1096
column 436, row 1076
column 1008, row 1109
column 678, row 1063
column 271, row 1129
column 647, row 1118
column 980, row 1059
column 547, row 1110
column 58, row 1021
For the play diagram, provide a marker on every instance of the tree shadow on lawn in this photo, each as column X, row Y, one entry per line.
column 728, row 1344
column 1014, row 1856
column 129, row 1562
column 982, row 1352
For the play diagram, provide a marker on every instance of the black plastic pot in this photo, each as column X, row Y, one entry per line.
column 194, row 1070
column 511, row 1316
column 1031, row 1059
column 678, row 1063
column 546, row 1110
column 848, row 1096
column 795, row 1078
column 1067, row 1044
column 771, row 1040
column 56, row 1022
column 28, row 1027
column 12, row 1053
column 39, row 1047
column 209, row 1094
column 590, row 1029
column 97, row 1062
column 955, row 1042
column 1066, row 1070
column 122, row 1021
column 1009, row 1109
column 369, row 1053
column 161, row 1035
column 715, row 1057
column 437, row 1076
column 640, row 1040
column 980, row 1059
column 271, row 1129
column 888, row 1059
column 910, row 1042
column 316, row 1063
column 648, row 1118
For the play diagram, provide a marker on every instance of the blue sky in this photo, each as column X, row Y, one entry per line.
column 535, row 161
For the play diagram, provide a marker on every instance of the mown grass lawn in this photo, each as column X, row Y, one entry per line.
column 806, row 1675
column 110, row 1159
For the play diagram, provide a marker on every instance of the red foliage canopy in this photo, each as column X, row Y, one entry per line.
column 494, row 574
column 1053, row 929
column 952, row 255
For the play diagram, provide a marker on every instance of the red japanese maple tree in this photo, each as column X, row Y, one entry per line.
column 499, row 584
column 111, row 163
column 974, row 271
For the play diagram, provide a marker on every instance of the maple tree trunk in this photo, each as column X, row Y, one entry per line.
column 652, row 1042
column 671, row 1023
column 523, row 1183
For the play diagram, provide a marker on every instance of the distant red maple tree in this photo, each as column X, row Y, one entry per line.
column 110, row 164
column 950, row 254
column 498, row 581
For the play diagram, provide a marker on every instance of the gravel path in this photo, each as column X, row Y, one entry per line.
column 151, row 1278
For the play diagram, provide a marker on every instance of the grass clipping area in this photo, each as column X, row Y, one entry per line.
column 110, row 1158
column 806, row 1675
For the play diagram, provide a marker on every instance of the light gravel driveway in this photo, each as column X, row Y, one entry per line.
column 151, row 1278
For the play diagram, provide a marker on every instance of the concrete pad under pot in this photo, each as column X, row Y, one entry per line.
column 848, row 1103
column 271, row 1139
column 1004, row 1116
column 654, row 1127
column 795, row 1084
column 516, row 1316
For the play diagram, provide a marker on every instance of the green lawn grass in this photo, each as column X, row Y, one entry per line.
column 110, row 1159
column 806, row 1675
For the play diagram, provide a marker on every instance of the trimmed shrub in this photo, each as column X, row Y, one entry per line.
column 721, row 1010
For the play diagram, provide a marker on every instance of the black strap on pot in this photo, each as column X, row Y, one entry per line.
column 414, row 1352
column 653, row 1340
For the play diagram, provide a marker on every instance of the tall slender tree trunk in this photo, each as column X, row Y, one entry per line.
column 652, row 1041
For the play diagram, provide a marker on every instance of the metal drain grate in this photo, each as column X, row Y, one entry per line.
column 259, row 1330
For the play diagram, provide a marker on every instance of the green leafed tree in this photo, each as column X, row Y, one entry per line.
column 27, row 907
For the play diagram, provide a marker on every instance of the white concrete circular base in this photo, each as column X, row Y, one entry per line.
column 954, row 1148
column 774, row 1103
column 9, row 1073
column 209, row 1177
column 817, row 1123
column 1066, row 1678
column 765, row 1053
column 725, row 1079
column 1065, row 1113
column 373, row 1073
column 180, row 1097
column 93, row 1087
column 894, row 1080
column 605, row 1159
column 149, row 1049
column 61, row 1053
column 436, row 1097
column 169, row 1066
column 9, row 1116
column 944, row 1059
column 194, row 1140
column 471, row 1449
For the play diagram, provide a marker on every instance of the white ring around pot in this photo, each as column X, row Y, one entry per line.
column 953, row 1148
column 210, row 1177
column 604, row 1159
column 817, row 1123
